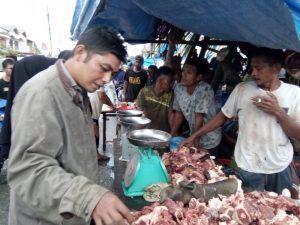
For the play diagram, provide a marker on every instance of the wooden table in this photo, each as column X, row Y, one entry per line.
column 106, row 112
column 133, row 203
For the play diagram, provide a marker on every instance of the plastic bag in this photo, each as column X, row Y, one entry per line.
column 175, row 142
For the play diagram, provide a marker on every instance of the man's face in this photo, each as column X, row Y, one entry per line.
column 163, row 84
column 262, row 73
column 150, row 72
column 94, row 71
column 189, row 75
column 138, row 63
column 8, row 69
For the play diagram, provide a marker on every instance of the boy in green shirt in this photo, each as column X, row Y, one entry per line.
column 155, row 100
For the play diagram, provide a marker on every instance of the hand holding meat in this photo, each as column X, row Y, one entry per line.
column 110, row 211
column 189, row 142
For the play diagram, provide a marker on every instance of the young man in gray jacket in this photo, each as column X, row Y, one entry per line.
column 52, row 169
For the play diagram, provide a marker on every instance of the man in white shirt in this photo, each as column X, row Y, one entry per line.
column 269, row 115
column 194, row 101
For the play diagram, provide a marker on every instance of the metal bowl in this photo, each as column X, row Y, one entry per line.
column 136, row 122
column 149, row 138
column 125, row 113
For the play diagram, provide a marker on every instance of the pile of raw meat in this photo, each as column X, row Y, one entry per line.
column 261, row 208
column 187, row 164
column 255, row 208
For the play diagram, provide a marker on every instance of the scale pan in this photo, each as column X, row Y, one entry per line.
column 133, row 112
column 136, row 122
column 149, row 138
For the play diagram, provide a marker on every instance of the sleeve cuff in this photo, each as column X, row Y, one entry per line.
column 88, row 207
column 82, row 209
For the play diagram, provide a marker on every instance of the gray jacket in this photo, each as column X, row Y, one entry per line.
column 52, row 166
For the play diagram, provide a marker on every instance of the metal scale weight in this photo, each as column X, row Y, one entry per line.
column 145, row 167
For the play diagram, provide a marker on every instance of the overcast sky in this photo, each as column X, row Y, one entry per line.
column 31, row 16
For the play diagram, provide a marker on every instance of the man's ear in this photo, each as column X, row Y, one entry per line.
column 80, row 53
column 277, row 67
column 199, row 77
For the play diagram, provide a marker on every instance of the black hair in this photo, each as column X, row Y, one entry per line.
column 65, row 54
column 270, row 56
column 153, row 67
column 102, row 40
column 166, row 71
column 8, row 61
column 200, row 63
column 14, row 57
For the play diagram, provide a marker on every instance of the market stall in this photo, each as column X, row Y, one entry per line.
column 200, row 193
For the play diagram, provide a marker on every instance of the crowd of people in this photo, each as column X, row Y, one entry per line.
column 53, row 152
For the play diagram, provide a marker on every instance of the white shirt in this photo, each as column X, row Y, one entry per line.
column 96, row 103
column 201, row 101
column 262, row 145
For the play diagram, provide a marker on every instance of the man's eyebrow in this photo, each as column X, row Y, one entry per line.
column 107, row 65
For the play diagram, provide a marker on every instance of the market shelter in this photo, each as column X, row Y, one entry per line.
column 274, row 24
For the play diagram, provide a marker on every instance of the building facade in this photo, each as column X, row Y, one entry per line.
column 16, row 39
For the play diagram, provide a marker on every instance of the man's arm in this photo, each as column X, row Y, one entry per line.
column 125, row 88
column 198, row 125
column 289, row 125
column 126, row 82
column 171, row 116
column 105, row 99
column 214, row 123
column 177, row 122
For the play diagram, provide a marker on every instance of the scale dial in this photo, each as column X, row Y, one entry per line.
column 132, row 168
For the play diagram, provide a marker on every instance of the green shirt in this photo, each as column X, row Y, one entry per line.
column 155, row 108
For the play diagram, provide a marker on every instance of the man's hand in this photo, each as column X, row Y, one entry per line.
column 189, row 142
column 111, row 211
column 267, row 104
column 113, row 107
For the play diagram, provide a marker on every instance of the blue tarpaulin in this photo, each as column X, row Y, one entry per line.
column 152, row 61
column 125, row 16
column 269, row 23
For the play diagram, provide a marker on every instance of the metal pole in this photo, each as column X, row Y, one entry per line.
column 50, row 37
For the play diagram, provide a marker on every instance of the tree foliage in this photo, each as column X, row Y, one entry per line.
column 4, row 51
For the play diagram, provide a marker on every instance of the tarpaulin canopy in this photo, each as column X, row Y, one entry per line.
column 269, row 23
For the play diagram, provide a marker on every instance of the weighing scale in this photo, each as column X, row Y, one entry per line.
column 129, row 113
column 145, row 167
column 128, row 124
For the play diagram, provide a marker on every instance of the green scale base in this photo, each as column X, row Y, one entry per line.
column 143, row 169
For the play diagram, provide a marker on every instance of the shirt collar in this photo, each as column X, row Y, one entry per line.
column 78, row 94
column 68, row 76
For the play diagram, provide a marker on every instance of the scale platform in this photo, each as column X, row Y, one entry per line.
column 145, row 167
